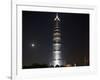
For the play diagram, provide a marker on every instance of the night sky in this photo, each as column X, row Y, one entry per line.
column 37, row 28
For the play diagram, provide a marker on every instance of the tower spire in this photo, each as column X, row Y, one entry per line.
column 57, row 17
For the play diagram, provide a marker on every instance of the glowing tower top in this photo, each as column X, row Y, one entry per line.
column 57, row 17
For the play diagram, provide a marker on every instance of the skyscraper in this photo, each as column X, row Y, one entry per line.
column 57, row 59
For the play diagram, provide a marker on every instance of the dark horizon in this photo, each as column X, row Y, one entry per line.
column 37, row 27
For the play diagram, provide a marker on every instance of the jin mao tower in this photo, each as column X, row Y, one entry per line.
column 57, row 59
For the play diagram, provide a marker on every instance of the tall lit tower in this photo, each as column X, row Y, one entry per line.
column 57, row 59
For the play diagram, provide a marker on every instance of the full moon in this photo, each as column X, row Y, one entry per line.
column 33, row 45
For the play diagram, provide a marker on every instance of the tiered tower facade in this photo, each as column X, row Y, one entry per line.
column 57, row 59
